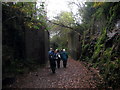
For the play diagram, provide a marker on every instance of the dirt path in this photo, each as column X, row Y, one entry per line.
column 76, row 75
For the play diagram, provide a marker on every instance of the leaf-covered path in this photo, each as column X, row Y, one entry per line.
column 76, row 75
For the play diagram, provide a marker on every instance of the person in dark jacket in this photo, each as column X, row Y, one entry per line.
column 64, row 57
column 57, row 58
column 52, row 60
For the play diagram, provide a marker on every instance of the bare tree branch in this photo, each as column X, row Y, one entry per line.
column 62, row 25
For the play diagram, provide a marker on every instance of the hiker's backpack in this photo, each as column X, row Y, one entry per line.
column 57, row 56
column 51, row 55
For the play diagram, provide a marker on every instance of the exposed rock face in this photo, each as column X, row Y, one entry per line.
column 74, row 45
column 104, row 54
column 22, row 41
column 111, row 36
column 22, row 46
column 36, row 45
column 118, row 24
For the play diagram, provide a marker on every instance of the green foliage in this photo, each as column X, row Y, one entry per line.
column 66, row 18
column 87, row 13
column 36, row 27
column 60, row 37
column 111, row 73
column 99, row 47
column 100, row 18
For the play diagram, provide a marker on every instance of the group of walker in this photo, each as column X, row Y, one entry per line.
column 55, row 56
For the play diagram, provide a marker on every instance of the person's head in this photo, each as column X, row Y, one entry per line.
column 51, row 49
column 64, row 50
column 57, row 50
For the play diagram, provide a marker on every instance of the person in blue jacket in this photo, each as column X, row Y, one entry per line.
column 64, row 57
column 52, row 60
